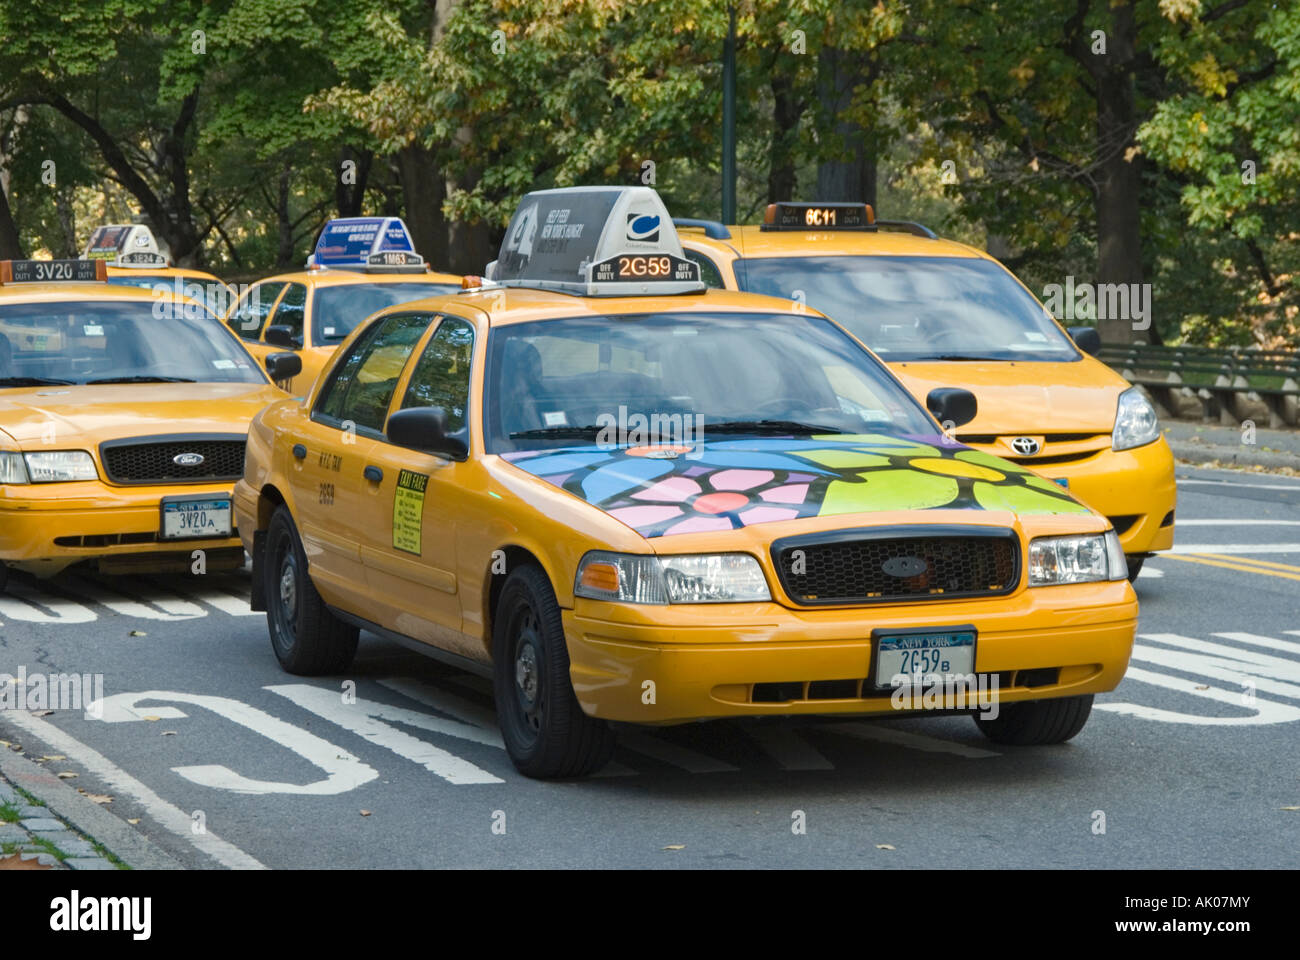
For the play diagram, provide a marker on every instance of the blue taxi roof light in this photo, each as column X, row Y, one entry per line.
column 353, row 242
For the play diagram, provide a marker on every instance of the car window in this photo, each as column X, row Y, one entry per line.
column 441, row 376
column 290, row 310
column 249, row 315
column 361, row 384
column 918, row 308
column 336, row 310
column 709, row 271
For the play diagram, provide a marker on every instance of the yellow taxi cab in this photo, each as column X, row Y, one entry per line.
column 122, row 425
column 940, row 312
column 625, row 497
column 134, row 260
column 360, row 265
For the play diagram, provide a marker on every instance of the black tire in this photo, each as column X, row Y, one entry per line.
column 545, row 731
column 1134, row 567
column 306, row 637
column 1037, row 722
column 4, row 575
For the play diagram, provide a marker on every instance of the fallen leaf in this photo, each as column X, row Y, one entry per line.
column 138, row 633
column 54, row 756
column 43, row 713
column 99, row 798
column 168, row 733
column 884, row 846
column 1204, row 686
column 675, row 846
column 152, row 719
column 134, row 822
column 365, row 813
column 1289, row 808
column 66, row 775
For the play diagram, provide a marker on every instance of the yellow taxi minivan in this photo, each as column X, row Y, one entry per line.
column 943, row 313
column 625, row 497
column 359, row 265
column 135, row 260
column 122, row 425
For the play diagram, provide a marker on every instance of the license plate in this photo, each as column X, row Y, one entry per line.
column 191, row 519
column 922, row 654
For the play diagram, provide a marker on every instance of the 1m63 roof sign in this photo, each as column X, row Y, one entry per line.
column 351, row 242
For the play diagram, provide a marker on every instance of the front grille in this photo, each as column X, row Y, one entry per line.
column 152, row 459
column 792, row 691
column 897, row 564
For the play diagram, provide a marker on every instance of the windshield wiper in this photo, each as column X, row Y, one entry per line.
column 957, row 356
column 769, row 426
column 33, row 382
column 142, row 379
column 561, row 433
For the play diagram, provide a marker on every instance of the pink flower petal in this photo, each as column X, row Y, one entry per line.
column 673, row 489
column 740, row 479
column 790, row 493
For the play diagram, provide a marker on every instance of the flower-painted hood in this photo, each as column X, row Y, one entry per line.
column 723, row 484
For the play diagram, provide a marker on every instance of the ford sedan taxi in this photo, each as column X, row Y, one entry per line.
column 626, row 498
column 122, row 426
column 360, row 265
column 134, row 260
column 942, row 313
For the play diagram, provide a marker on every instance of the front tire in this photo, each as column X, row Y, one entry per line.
column 545, row 731
column 1134, row 567
column 1037, row 722
column 306, row 637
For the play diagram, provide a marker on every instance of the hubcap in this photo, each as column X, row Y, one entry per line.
column 288, row 587
column 526, row 673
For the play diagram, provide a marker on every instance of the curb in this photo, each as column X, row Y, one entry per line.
column 1242, row 456
column 127, row 844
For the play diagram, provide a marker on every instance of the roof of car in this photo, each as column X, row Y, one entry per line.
column 510, row 305
column 334, row 276
column 754, row 242
column 64, row 291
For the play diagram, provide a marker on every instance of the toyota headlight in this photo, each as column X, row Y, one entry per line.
column 688, row 578
column 1077, row 559
column 12, row 469
column 60, row 465
column 1135, row 421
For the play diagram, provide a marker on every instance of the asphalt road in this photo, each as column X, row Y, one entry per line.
column 227, row 761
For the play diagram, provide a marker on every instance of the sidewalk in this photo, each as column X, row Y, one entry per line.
column 31, row 832
column 1207, row 443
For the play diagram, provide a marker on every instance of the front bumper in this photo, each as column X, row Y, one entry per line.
column 1134, row 488
column 671, row 664
column 45, row 528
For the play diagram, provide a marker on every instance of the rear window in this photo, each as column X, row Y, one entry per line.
column 337, row 310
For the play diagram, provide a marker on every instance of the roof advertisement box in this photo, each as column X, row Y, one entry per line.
column 350, row 242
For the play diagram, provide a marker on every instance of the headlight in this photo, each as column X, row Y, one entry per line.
column 1135, row 421
column 60, row 465
column 12, row 469
column 689, row 578
column 1080, row 559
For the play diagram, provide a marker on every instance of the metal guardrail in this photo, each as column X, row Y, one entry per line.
column 1225, row 380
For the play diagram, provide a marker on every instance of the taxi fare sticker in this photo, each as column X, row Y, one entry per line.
column 408, row 510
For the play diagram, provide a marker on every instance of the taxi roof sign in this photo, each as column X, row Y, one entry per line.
column 594, row 241
column 52, row 271
column 375, row 244
column 126, row 245
column 818, row 216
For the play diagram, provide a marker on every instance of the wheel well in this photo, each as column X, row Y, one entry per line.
column 514, row 558
column 266, row 504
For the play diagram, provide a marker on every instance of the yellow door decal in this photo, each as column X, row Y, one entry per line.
column 408, row 510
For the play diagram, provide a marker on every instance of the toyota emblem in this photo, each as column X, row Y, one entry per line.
column 187, row 459
column 1026, row 446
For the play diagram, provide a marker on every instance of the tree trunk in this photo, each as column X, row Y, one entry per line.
column 787, row 109
column 11, row 247
column 424, row 188
column 284, row 249
column 847, row 172
column 350, row 197
column 67, row 223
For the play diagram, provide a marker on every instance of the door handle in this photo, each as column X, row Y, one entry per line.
column 373, row 474
column 299, row 451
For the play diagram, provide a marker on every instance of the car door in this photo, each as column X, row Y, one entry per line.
column 332, row 454
column 410, row 557
column 289, row 314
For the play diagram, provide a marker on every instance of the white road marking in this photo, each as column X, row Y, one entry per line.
column 1264, row 711
column 229, row 603
column 914, row 741
column 1234, row 548
column 1152, row 572
column 1286, row 646
column 787, row 747
column 120, row 782
column 670, row 753
column 365, row 719
column 128, row 606
column 1236, row 483
column 13, row 604
column 1232, row 522
column 344, row 771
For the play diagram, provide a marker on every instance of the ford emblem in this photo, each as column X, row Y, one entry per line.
column 904, row 567
column 187, row 459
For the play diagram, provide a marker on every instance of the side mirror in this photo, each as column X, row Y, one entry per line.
column 283, row 366
column 279, row 335
column 1086, row 339
column 425, row 428
column 951, row 405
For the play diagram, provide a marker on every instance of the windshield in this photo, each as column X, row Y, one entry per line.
column 918, row 308
column 116, row 341
column 553, row 383
column 338, row 309
column 215, row 295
